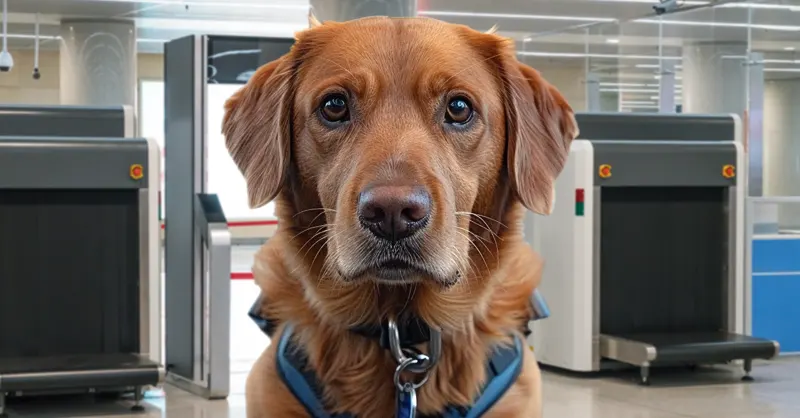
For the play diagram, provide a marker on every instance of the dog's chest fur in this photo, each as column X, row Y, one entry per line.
column 356, row 372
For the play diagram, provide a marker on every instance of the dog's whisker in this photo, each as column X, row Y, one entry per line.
column 315, row 242
column 309, row 229
column 318, row 215
column 485, row 226
column 318, row 233
column 484, row 218
column 482, row 241
column 325, row 244
column 475, row 246
column 311, row 209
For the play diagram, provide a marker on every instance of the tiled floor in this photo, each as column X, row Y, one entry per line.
column 706, row 393
column 712, row 393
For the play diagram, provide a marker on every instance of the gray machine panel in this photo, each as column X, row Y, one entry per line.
column 71, row 163
column 648, row 127
column 183, row 152
column 108, row 122
column 664, row 163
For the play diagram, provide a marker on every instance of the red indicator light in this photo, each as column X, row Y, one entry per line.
column 578, row 195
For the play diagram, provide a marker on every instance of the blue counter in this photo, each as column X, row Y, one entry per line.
column 776, row 290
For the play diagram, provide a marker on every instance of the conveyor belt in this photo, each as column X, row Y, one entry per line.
column 67, row 372
column 645, row 350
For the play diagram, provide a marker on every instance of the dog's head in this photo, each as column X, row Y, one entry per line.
column 394, row 145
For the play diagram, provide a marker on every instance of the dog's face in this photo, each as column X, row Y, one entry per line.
column 400, row 139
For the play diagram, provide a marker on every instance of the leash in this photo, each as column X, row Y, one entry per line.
column 415, row 362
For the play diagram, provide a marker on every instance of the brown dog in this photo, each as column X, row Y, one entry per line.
column 400, row 153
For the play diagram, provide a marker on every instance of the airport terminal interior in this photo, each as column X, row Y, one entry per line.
column 672, row 256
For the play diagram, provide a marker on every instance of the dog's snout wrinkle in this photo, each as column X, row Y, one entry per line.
column 394, row 212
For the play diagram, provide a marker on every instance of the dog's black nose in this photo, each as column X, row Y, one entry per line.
column 394, row 212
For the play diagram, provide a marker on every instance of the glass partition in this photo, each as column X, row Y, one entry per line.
column 776, row 36
column 224, row 177
column 231, row 63
column 151, row 121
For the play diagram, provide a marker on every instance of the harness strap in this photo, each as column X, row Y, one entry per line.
column 502, row 370
column 299, row 378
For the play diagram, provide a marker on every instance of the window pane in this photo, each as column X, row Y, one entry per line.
column 224, row 177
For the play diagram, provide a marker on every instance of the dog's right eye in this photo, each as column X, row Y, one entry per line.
column 334, row 108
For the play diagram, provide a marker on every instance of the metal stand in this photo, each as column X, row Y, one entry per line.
column 645, row 375
column 748, row 367
column 138, row 396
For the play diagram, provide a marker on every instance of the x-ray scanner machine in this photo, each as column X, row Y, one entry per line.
column 644, row 249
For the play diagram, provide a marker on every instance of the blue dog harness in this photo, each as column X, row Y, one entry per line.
column 502, row 370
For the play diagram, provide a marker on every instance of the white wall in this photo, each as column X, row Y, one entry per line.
column 18, row 87
column 570, row 81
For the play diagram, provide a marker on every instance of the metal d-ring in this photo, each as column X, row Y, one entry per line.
column 422, row 363
column 406, row 365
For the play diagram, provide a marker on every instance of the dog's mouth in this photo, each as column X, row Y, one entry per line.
column 394, row 271
column 393, row 266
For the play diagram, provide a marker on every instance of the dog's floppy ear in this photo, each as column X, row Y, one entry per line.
column 540, row 128
column 257, row 130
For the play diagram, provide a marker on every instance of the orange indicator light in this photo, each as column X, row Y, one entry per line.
column 605, row 171
column 728, row 171
column 137, row 172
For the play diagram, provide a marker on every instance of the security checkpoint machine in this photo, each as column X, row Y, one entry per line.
column 79, row 245
column 197, row 238
column 644, row 250
column 79, row 277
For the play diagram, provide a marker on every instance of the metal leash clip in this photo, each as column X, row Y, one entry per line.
column 412, row 360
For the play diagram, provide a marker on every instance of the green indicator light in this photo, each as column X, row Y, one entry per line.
column 579, row 209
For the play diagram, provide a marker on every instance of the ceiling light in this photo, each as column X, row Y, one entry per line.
column 226, row 27
column 789, row 48
column 592, row 55
column 636, row 102
column 656, row 66
column 751, row 5
column 624, row 90
column 627, row 85
column 515, row 16
column 779, row 61
column 687, row 2
column 27, row 36
column 201, row 3
column 782, row 70
column 780, row 28
column 612, row 41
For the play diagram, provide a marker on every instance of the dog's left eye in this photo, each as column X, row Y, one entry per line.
column 334, row 108
column 459, row 111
